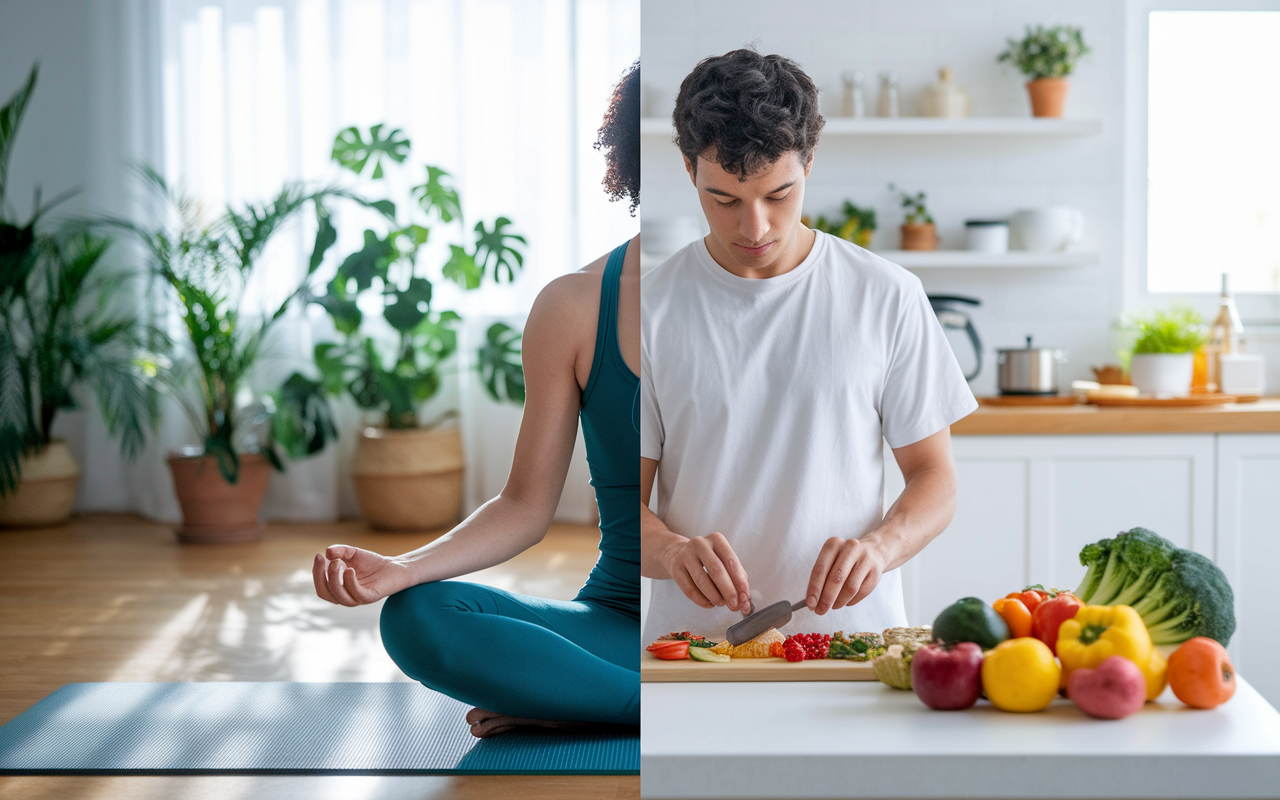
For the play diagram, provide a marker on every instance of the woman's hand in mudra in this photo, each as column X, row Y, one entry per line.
column 349, row 576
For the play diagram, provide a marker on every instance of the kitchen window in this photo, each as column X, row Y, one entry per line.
column 1204, row 171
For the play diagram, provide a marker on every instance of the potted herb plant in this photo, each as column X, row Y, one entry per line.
column 1162, row 356
column 408, row 471
column 58, row 335
column 918, row 230
column 857, row 226
column 208, row 263
column 1046, row 56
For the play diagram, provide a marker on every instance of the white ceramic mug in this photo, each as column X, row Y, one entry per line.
column 1045, row 230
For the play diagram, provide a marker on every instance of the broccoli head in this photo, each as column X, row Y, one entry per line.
column 1179, row 593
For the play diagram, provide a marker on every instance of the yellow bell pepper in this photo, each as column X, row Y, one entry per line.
column 1096, row 633
column 1157, row 674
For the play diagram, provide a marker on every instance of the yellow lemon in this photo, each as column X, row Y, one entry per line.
column 1020, row 675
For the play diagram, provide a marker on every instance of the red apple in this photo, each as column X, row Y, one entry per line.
column 1114, row 690
column 947, row 679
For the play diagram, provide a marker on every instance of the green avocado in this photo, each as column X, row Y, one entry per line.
column 970, row 620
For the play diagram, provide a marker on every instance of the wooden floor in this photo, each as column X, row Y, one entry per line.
column 116, row 598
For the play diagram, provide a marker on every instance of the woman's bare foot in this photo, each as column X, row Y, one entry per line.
column 490, row 723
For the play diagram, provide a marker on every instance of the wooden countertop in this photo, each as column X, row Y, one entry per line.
column 1262, row 416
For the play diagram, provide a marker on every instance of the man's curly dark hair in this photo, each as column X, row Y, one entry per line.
column 746, row 110
column 619, row 138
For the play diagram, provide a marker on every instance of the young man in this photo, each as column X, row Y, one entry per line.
column 774, row 361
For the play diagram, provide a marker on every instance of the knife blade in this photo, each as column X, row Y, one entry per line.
column 751, row 626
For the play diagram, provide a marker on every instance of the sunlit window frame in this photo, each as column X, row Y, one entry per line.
column 1256, row 308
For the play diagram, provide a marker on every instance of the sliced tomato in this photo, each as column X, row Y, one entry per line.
column 670, row 651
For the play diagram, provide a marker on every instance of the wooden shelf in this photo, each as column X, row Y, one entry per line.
column 962, row 259
column 930, row 126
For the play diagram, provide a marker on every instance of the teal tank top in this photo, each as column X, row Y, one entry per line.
column 610, row 415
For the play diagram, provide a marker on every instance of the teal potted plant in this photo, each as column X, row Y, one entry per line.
column 1161, row 358
column 857, row 225
column 396, row 345
column 918, row 229
column 207, row 263
column 1046, row 56
column 58, row 337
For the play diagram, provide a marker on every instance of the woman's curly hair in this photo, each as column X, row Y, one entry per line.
column 746, row 110
column 619, row 138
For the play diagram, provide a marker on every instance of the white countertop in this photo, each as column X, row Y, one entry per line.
column 867, row 740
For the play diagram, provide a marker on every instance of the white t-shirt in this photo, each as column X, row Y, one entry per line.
column 765, row 403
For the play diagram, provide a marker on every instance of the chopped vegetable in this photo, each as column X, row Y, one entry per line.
column 669, row 651
column 858, row 647
column 893, row 667
column 1178, row 593
column 684, row 636
column 704, row 654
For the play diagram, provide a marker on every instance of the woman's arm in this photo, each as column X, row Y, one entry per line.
column 559, row 325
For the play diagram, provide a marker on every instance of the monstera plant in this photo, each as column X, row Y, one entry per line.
column 396, row 346
column 60, row 333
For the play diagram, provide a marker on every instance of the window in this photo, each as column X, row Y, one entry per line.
column 1213, row 151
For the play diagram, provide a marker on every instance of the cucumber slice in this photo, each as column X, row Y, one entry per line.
column 703, row 654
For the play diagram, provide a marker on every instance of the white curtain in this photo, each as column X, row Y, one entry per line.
column 232, row 98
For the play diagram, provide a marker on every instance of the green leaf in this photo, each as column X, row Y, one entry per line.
column 410, row 306
column 344, row 311
column 497, row 247
column 437, row 335
column 303, row 423
column 370, row 262
column 10, row 119
column 351, row 150
column 384, row 207
column 225, row 455
column 329, row 359
column 462, row 268
column 499, row 364
column 326, row 236
column 436, row 195
column 272, row 457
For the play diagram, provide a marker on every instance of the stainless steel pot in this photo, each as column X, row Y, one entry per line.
column 1029, row 370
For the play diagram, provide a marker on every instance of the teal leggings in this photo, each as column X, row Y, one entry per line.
column 517, row 655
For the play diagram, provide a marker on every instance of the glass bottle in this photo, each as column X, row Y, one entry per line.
column 888, row 103
column 1225, row 337
column 854, row 101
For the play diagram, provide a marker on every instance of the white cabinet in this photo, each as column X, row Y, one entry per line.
column 1248, row 551
column 1028, row 504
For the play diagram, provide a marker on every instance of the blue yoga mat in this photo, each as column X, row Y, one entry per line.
column 280, row 728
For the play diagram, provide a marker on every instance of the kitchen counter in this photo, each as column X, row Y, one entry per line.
column 1262, row 416
column 866, row 740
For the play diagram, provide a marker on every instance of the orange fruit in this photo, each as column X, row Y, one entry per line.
column 1200, row 673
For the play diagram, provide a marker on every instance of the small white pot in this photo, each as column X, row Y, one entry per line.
column 1162, row 374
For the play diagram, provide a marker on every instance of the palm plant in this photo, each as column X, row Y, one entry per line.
column 394, row 372
column 57, row 328
column 209, row 263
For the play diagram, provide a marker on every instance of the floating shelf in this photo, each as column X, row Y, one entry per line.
column 960, row 259
column 931, row 126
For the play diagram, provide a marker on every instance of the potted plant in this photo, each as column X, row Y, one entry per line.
column 58, row 334
column 408, row 471
column 918, row 230
column 857, row 226
column 1161, row 358
column 208, row 263
column 1046, row 56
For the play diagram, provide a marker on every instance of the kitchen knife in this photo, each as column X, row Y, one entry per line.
column 774, row 616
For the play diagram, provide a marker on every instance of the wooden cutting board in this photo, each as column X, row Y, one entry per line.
column 1148, row 401
column 656, row 670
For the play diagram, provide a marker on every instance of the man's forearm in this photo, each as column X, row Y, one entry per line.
column 655, row 539
column 921, row 512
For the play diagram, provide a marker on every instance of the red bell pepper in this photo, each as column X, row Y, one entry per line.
column 669, row 651
column 1049, row 616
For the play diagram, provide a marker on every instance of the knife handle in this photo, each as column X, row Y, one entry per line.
column 798, row 606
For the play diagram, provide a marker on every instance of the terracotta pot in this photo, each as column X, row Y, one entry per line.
column 1048, row 96
column 409, row 479
column 47, row 489
column 213, row 510
column 920, row 237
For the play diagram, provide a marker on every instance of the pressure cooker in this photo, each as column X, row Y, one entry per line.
column 1029, row 370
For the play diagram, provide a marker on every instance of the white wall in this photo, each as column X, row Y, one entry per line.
column 964, row 177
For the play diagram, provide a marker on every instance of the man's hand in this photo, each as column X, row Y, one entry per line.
column 349, row 576
column 708, row 572
column 845, row 573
